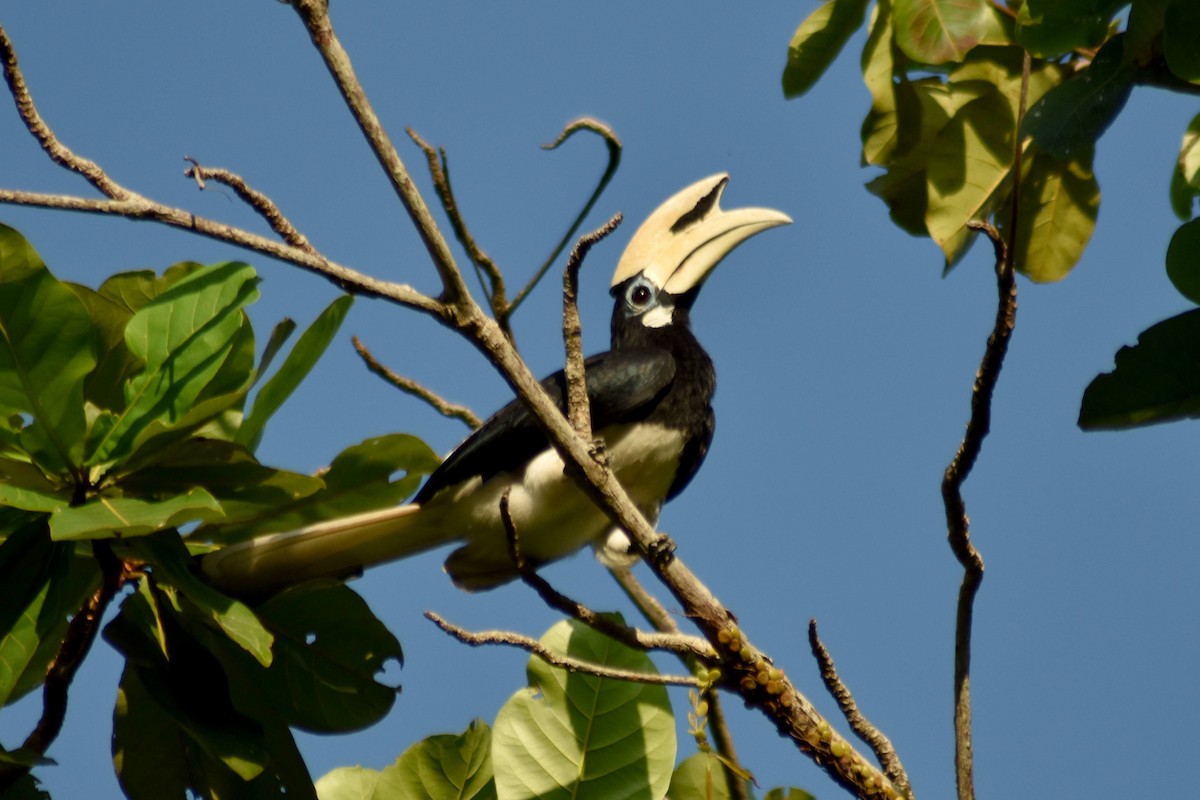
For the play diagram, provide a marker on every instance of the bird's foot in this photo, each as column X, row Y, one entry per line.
column 598, row 452
column 662, row 551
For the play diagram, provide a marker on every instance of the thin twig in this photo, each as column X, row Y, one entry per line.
column 879, row 743
column 476, row 638
column 493, row 287
column 578, row 411
column 690, row 646
column 409, row 386
column 264, row 205
column 958, row 524
column 613, row 143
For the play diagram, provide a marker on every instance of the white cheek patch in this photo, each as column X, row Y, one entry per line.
column 658, row 317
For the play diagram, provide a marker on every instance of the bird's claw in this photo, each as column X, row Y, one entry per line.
column 662, row 551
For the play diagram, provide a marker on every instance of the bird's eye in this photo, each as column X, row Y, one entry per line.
column 640, row 294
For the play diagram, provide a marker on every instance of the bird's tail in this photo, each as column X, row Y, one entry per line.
column 332, row 549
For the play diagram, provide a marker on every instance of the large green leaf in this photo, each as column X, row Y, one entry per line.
column 574, row 735
column 1183, row 260
column 442, row 767
column 1181, row 39
column 818, row 41
column 1157, row 380
column 212, row 692
column 308, row 350
column 1049, row 28
column 245, row 488
column 150, row 750
column 169, row 561
column 971, row 160
column 1056, row 216
column 1142, row 34
column 361, row 478
column 938, row 31
column 125, row 517
column 184, row 336
column 47, row 348
column 1071, row 117
column 330, row 649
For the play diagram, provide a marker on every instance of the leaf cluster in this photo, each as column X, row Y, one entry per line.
column 944, row 126
column 126, row 413
column 566, row 735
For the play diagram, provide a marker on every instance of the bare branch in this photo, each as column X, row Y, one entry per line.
column 858, row 722
column 476, row 638
column 578, row 412
column 315, row 15
column 59, row 153
column 409, row 386
column 958, row 524
column 613, row 143
column 264, row 205
column 493, row 287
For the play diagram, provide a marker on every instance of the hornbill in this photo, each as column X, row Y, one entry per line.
column 650, row 405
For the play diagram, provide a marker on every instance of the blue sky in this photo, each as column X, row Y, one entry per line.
column 845, row 361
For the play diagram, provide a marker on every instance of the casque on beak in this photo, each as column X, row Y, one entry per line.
column 681, row 242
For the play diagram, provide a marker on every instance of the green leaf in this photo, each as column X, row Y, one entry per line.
column 170, row 561
column 299, row 362
column 361, row 478
column 350, row 783
column 26, row 787
column 701, row 775
column 574, row 735
column 329, row 649
column 1185, row 179
column 104, row 386
column 23, row 485
column 971, row 159
column 893, row 124
column 790, row 793
column 47, row 348
column 1073, row 116
column 245, row 488
column 1183, row 260
column 1181, row 39
column 282, row 331
column 1057, row 214
column 1146, row 21
column 1049, row 28
column 149, row 748
column 442, row 767
column 125, row 517
column 938, row 31
column 818, row 41
column 1157, row 380
column 184, row 336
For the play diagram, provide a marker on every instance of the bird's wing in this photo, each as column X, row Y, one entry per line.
column 621, row 388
